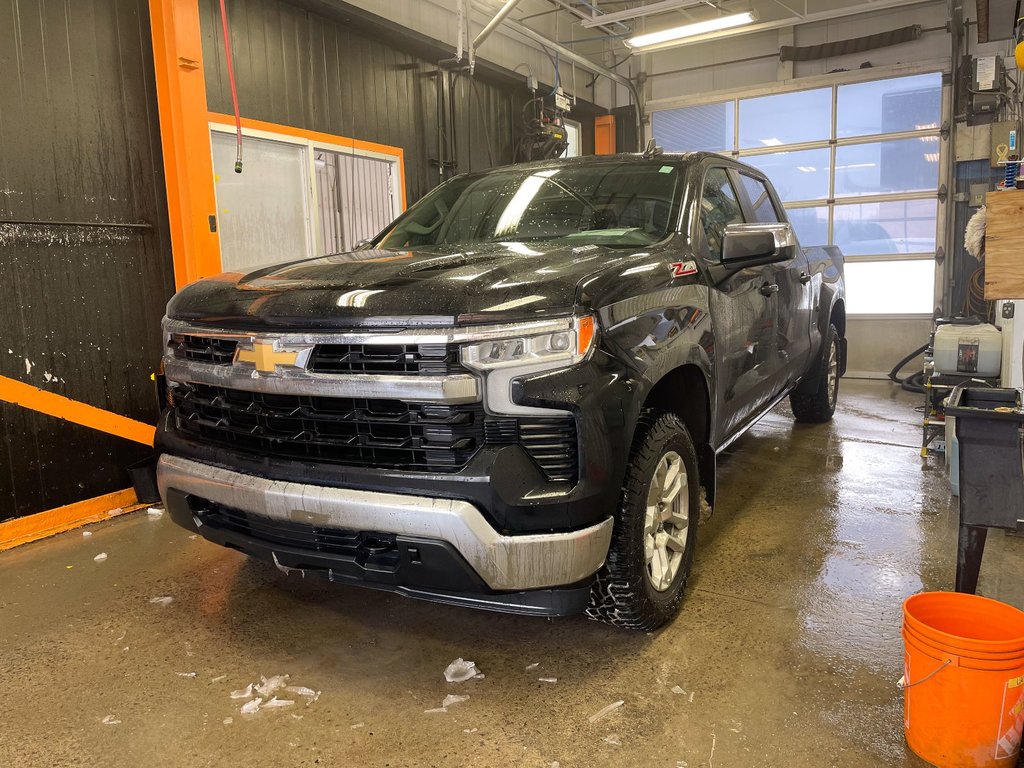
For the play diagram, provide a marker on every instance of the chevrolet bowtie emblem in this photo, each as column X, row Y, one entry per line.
column 265, row 358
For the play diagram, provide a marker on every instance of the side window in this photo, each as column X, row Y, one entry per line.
column 719, row 208
column 760, row 200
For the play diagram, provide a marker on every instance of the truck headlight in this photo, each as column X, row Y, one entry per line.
column 503, row 359
column 553, row 350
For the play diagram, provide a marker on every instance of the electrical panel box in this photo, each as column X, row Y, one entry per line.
column 1005, row 142
column 985, row 73
column 986, row 80
column 561, row 100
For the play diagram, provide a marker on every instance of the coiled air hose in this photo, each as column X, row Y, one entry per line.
column 915, row 381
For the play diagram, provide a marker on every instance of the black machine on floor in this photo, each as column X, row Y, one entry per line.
column 988, row 429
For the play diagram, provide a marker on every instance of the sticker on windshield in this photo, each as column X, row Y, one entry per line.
column 683, row 268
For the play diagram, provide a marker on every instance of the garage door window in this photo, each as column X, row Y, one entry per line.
column 856, row 165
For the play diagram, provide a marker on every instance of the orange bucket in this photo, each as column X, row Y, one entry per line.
column 963, row 680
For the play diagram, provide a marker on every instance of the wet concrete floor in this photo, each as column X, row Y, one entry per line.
column 787, row 648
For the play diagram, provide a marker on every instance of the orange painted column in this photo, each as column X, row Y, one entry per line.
column 604, row 135
column 185, row 138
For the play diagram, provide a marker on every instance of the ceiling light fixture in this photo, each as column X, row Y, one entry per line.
column 677, row 35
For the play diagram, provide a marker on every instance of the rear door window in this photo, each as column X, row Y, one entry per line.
column 760, row 201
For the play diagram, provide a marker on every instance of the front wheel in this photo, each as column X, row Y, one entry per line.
column 655, row 535
column 819, row 406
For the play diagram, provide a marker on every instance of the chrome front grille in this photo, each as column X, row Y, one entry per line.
column 203, row 349
column 341, row 430
column 383, row 359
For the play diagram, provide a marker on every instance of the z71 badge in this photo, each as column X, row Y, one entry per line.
column 683, row 268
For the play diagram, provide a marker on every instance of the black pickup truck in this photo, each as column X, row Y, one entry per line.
column 514, row 396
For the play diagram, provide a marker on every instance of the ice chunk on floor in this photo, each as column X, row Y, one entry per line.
column 228, row 720
column 186, row 674
column 679, row 690
column 460, row 670
column 86, row 534
column 613, row 740
column 251, row 707
column 605, row 710
column 164, row 600
column 100, row 557
column 451, row 698
column 307, row 693
column 276, row 703
column 530, row 667
column 268, row 686
column 547, row 679
column 110, row 720
column 243, row 693
column 154, row 512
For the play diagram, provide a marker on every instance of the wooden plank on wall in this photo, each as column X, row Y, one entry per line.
column 1004, row 245
column 22, row 530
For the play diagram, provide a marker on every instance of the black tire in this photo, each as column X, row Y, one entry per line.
column 819, row 406
column 623, row 593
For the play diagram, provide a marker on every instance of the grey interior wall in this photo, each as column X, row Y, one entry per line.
column 876, row 344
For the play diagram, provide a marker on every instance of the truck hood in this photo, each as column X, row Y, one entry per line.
column 429, row 286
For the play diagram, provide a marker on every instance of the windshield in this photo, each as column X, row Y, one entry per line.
column 626, row 204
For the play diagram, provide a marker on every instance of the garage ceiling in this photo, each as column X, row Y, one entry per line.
column 636, row 18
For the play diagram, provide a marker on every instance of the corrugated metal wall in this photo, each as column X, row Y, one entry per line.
column 80, row 306
column 304, row 69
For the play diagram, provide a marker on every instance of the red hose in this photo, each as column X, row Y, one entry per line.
column 234, row 91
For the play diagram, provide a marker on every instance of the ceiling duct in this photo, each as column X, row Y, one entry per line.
column 853, row 45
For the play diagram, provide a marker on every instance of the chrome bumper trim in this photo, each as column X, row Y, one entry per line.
column 532, row 561
column 459, row 388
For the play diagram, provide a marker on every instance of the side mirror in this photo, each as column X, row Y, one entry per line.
column 750, row 244
column 362, row 245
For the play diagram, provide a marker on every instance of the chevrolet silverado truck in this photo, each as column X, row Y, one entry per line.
column 514, row 396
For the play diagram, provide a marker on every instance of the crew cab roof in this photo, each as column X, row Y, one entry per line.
column 664, row 158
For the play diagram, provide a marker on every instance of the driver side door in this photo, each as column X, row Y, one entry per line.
column 742, row 309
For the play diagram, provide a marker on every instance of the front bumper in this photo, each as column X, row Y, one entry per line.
column 453, row 534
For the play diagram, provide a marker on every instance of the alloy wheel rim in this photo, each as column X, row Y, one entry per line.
column 833, row 374
column 667, row 521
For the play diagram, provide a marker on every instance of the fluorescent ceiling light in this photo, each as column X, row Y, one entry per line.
column 691, row 30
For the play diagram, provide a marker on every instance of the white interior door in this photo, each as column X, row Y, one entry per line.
column 263, row 212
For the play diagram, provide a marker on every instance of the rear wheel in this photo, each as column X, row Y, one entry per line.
column 819, row 406
column 655, row 535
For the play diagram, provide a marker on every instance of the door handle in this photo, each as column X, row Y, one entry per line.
column 805, row 278
column 769, row 288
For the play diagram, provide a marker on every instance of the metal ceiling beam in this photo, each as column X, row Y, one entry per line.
column 597, row 19
column 810, row 18
column 583, row 17
column 590, row 66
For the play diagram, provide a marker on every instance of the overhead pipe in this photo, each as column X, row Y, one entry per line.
column 590, row 66
column 494, row 23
